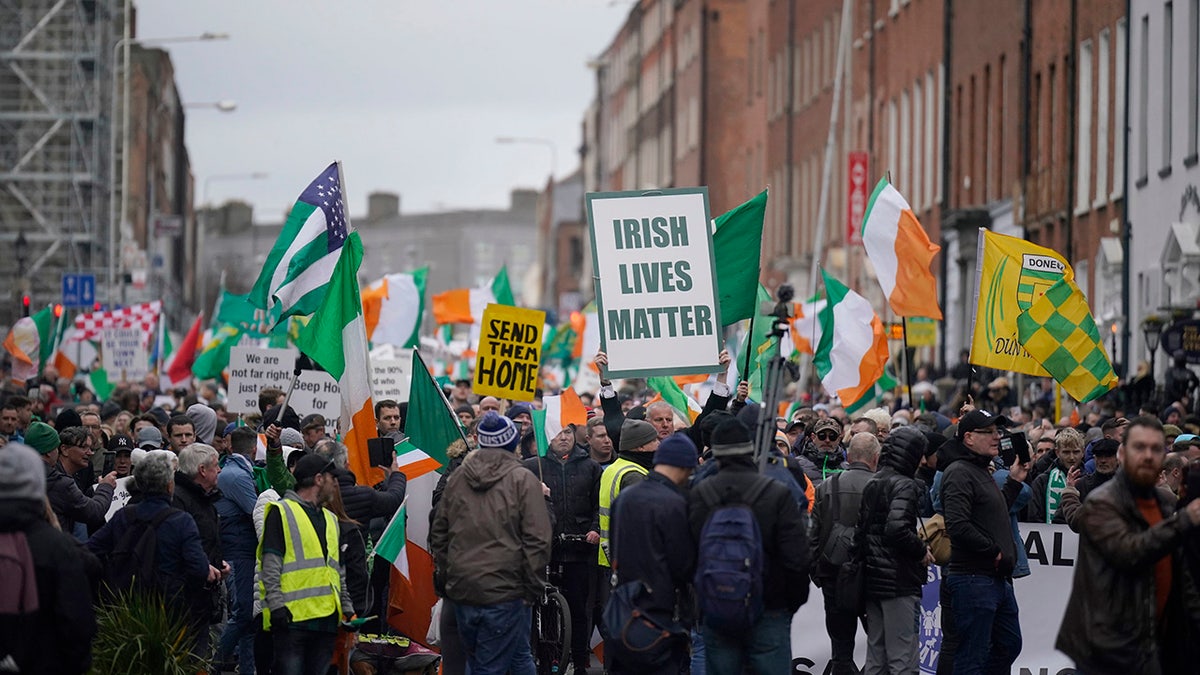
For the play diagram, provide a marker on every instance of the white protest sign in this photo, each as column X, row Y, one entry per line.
column 318, row 393
column 656, row 293
column 124, row 354
column 120, row 497
column 587, row 381
column 252, row 369
column 390, row 378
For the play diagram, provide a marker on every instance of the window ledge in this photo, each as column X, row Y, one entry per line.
column 1141, row 182
column 1191, row 160
column 1164, row 172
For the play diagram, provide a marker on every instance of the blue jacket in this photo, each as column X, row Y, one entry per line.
column 652, row 542
column 236, row 509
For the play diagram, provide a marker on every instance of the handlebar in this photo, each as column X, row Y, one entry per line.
column 572, row 537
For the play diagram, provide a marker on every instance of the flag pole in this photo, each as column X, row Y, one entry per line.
column 908, row 369
column 745, row 374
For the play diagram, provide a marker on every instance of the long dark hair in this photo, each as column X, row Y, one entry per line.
column 334, row 504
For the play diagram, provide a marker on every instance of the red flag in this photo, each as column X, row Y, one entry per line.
column 180, row 369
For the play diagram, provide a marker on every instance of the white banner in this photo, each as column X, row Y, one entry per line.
column 124, row 354
column 656, row 294
column 120, row 498
column 317, row 392
column 390, row 377
column 252, row 369
column 1041, row 599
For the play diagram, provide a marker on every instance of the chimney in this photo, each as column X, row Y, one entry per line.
column 382, row 205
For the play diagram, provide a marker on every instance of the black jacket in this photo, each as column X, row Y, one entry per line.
column 353, row 555
column 1110, row 624
column 71, row 506
column 57, row 638
column 887, row 532
column 614, row 417
column 574, row 499
column 363, row 503
column 976, row 513
column 785, row 541
column 651, row 542
column 818, row 465
column 850, row 484
column 191, row 499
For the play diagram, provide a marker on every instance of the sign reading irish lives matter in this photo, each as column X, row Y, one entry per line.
column 510, row 352
column 656, row 293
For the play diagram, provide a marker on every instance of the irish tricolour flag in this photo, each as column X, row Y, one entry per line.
column 901, row 253
column 466, row 305
column 853, row 351
column 393, row 545
column 394, row 307
column 556, row 414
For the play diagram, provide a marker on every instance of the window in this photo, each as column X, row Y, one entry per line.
column 1001, row 120
column 1144, row 103
column 1083, row 129
column 989, row 150
column 1168, row 83
column 1102, row 105
column 892, row 133
column 933, row 104
column 1119, row 128
column 905, row 180
column 915, row 196
column 941, row 96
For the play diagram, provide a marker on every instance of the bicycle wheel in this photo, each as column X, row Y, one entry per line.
column 552, row 635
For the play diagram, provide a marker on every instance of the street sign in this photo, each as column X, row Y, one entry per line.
column 78, row 290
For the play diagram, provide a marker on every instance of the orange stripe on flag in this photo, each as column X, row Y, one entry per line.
column 64, row 365
column 372, row 300
column 571, row 409
column 419, row 468
column 362, row 428
column 871, row 366
column 409, row 605
column 916, row 289
column 685, row 380
column 453, row 306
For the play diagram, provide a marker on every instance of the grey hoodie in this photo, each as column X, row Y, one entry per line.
column 491, row 534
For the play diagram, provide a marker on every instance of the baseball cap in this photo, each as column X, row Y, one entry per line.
column 310, row 465
column 149, row 437
column 312, row 422
column 121, row 443
column 981, row 419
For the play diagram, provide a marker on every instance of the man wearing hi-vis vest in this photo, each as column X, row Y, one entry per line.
column 303, row 581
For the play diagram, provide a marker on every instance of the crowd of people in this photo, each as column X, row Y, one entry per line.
column 683, row 542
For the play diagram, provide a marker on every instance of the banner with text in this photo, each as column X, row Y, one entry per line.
column 317, row 392
column 656, row 290
column 123, row 353
column 510, row 352
column 390, row 378
column 252, row 369
column 1041, row 597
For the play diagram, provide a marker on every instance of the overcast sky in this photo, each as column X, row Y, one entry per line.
column 410, row 95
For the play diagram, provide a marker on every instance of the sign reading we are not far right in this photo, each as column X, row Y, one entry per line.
column 656, row 289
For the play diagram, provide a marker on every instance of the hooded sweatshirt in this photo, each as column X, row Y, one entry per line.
column 491, row 534
column 204, row 421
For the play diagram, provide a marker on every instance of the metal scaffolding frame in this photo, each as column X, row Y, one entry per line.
column 55, row 70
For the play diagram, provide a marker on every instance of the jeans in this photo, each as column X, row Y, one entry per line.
column 985, row 618
column 496, row 637
column 454, row 654
column 699, row 661
column 239, row 630
column 842, row 628
column 892, row 635
column 302, row 652
column 766, row 649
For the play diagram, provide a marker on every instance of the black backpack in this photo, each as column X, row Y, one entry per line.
column 837, row 549
column 133, row 564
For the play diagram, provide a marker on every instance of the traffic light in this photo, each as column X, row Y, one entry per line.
column 96, row 307
column 58, row 310
column 25, row 305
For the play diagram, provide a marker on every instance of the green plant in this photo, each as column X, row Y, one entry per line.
column 141, row 634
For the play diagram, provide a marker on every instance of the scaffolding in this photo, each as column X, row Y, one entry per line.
column 56, row 68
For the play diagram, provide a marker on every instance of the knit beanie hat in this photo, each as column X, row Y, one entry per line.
column 42, row 437
column 676, row 450
column 731, row 438
column 635, row 434
column 291, row 437
column 204, row 421
column 518, row 409
column 495, row 431
column 22, row 473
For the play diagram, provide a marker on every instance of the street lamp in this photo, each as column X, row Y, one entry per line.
column 207, row 208
column 113, row 222
column 1151, row 331
column 546, row 142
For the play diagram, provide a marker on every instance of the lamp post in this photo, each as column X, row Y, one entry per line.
column 207, row 207
column 116, row 218
column 21, row 253
column 1151, row 331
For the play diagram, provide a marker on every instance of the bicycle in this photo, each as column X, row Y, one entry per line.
column 550, row 636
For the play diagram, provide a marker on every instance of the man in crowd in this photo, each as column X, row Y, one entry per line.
column 8, row 424
column 69, row 503
column 491, row 541
column 180, row 432
column 1104, row 454
column 522, row 416
column 844, row 489
column 149, row 438
column 312, row 428
column 239, row 545
column 1048, row 486
column 823, row 457
column 204, row 422
column 600, row 445
column 978, row 579
column 387, row 417
column 765, row 646
column 122, row 448
column 639, row 440
column 574, row 482
column 303, row 610
column 461, row 393
column 661, row 416
column 1131, row 605
column 652, row 543
column 196, row 494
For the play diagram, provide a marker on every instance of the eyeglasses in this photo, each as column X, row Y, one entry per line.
column 827, row 435
column 993, row 432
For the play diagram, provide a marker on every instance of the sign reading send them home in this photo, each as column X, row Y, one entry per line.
column 656, row 290
column 510, row 352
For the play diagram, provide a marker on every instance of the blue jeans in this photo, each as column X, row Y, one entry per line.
column 302, row 652
column 985, row 619
column 239, row 630
column 496, row 637
column 766, row 648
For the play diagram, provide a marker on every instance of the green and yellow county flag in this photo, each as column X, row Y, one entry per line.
column 1058, row 330
column 737, row 245
column 1013, row 274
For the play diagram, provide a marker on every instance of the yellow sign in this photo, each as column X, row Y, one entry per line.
column 922, row 332
column 1013, row 273
column 510, row 352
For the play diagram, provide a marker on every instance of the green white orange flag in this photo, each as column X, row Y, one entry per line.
column 671, row 393
column 556, row 414
column 394, row 307
column 853, row 351
column 737, row 247
column 901, row 253
column 393, row 544
column 465, row 305
column 805, row 327
column 336, row 339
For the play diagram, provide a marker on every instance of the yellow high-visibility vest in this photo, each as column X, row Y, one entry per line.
column 610, row 487
column 309, row 580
